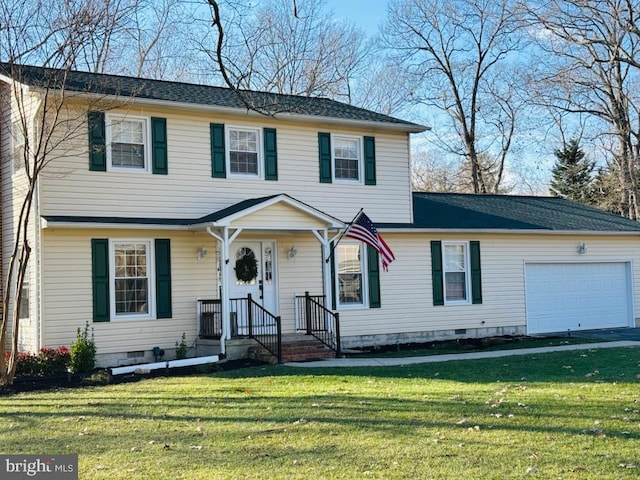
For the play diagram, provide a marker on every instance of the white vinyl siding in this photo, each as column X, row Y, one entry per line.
column 67, row 294
column 503, row 309
column 67, row 291
column 14, row 188
column 69, row 188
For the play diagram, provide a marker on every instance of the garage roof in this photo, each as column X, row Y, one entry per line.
column 454, row 211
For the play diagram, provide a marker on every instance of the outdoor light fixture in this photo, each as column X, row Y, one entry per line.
column 582, row 248
column 292, row 252
column 202, row 253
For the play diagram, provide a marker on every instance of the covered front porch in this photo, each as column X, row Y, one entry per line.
column 274, row 283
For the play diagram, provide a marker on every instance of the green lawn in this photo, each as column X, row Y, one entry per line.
column 573, row 415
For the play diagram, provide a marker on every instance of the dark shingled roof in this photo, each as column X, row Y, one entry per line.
column 186, row 93
column 177, row 222
column 452, row 211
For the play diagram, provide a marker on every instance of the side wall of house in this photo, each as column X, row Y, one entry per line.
column 189, row 191
column 14, row 188
column 408, row 314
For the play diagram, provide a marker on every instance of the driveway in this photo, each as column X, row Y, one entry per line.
column 608, row 334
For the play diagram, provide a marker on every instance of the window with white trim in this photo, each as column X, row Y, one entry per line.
column 456, row 272
column 18, row 143
column 131, row 279
column 350, row 273
column 244, row 152
column 24, row 312
column 127, row 143
column 347, row 158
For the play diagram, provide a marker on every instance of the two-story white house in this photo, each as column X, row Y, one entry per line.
column 170, row 208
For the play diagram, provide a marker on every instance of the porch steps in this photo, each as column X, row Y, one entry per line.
column 299, row 349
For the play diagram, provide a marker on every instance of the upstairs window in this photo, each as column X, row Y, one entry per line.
column 244, row 151
column 127, row 143
column 347, row 156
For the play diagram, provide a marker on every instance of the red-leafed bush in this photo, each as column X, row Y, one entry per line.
column 48, row 361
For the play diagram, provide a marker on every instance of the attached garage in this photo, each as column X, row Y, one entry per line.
column 578, row 296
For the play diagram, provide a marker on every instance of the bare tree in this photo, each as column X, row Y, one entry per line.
column 462, row 54
column 39, row 127
column 307, row 54
column 589, row 68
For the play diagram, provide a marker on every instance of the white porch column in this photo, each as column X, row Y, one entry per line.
column 323, row 238
column 224, row 300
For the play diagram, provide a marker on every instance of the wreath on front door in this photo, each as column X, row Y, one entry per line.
column 247, row 267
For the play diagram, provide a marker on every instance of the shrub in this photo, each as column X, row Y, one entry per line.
column 48, row 361
column 83, row 351
column 181, row 348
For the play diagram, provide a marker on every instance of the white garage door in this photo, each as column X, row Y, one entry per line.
column 577, row 296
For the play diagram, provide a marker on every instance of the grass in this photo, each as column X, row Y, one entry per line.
column 568, row 415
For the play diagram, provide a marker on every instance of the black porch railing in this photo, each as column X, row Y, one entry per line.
column 209, row 318
column 315, row 319
column 248, row 319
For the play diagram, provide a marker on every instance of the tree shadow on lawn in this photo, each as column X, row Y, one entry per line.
column 270, row 414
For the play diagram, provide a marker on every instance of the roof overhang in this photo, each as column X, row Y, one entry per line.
column 246, row 112
column 503, row 231
column 222, row 218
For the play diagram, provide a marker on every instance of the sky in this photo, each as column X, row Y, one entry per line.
column 366, row 14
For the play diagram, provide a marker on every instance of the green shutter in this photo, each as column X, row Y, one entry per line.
column 369, row 161
column 476, row 273
column 436, row 272
column 270, row 154
column 100, row 278
column 373, row 270
column 163, row 278
column 97, row 142
column 218, row 161
column 159, row 145
column 324, row 150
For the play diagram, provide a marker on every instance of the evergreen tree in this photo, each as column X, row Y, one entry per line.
column 572, row 174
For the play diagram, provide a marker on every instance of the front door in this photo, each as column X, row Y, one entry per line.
column 252, row 266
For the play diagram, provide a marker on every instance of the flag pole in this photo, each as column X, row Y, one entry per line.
column 333, row 247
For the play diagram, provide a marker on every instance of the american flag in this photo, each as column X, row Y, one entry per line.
column 363, row 229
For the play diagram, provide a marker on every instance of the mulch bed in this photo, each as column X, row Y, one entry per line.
column 103, row 377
